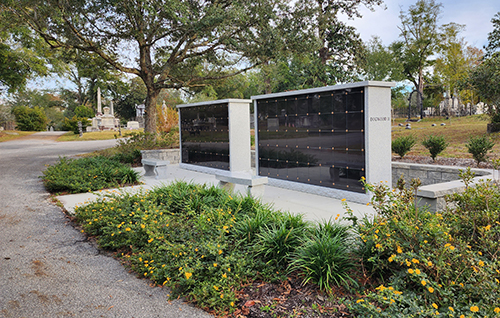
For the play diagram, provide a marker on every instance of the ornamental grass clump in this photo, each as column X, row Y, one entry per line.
column 325, row 257
column 87, row 174
column 432, row 265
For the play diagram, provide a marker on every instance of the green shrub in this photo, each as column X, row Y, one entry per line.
column 128, row 150
column 402, row 145
column 324, row 257
column 181, row 236
column 431, row 264
column 72, row 124
column 479, row 147
column 30, row 119
column 87, row 174
column 435, row 145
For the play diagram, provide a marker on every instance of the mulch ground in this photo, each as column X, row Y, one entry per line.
column 289, row 299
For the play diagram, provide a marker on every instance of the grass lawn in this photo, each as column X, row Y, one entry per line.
column 456, row 131
column 11, row 134
column 97, row 135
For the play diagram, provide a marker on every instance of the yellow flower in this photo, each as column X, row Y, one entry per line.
column 343, row 200
column 150, row 240
column 143, row 226
column 378, row 245
column 397, row 292
column 496, row 310
column 224, row 275
column 221, row 296
column 215, row 264
column 216, row 288
column 399, row 250
column 417, row 271
column 410, row 270
column 220, row 252
column 228, row 269
column 481, row 263
column 452, row 247
column 474, row 308
column 429, row 263
column 462, row 316
column 415, row 261
column 434, row 305
column 451, row 309
column 231, row 304
column 430, row 289
column 188, row 275
column 127, row 229
column 423, row 282
column 359, row 301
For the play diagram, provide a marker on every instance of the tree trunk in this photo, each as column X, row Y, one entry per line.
column 150, row 111
column 420, row 95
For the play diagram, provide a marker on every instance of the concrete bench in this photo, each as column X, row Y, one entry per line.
column 156, row 168
column 254, row 184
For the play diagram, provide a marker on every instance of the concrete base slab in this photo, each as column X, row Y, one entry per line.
column 313, row 207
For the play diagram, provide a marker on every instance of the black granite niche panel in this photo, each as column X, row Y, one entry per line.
column 205, row 135
column 316, row 139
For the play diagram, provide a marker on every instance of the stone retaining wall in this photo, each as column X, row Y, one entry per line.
column 429, row 174
column 172, row 155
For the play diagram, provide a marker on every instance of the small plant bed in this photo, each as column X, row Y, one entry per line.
column 87, row 174
column 207, row 245
column 234, row 256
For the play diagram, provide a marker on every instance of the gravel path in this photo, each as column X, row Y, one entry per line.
column 47, row 268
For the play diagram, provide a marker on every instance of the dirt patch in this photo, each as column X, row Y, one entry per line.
column 39, row 268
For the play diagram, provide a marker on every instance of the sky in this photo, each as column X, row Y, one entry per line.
column 475, row 14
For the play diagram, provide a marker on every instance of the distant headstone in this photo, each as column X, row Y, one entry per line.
column 133, row 125
column 79, row 129
column 400, row 125
column 443, row 124
column 433, row 125
column 51, row 128
column 408, row 126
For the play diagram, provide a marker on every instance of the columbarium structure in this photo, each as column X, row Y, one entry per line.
column 325, row 140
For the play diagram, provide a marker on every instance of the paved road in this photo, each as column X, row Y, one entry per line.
column 47, row 269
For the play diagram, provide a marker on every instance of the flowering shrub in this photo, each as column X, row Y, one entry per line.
column 432, row 263
column 181, row 236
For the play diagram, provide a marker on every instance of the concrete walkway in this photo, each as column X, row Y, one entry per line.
column 313, row 207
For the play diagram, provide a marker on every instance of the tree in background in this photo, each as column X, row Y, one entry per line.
column 419, row 41
column 21, row 55
column 379, row 63
column 494, row 36
column 167, row 42
column 455, row 61
column 88, row 71
column 30, row 119
column 485, row 77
